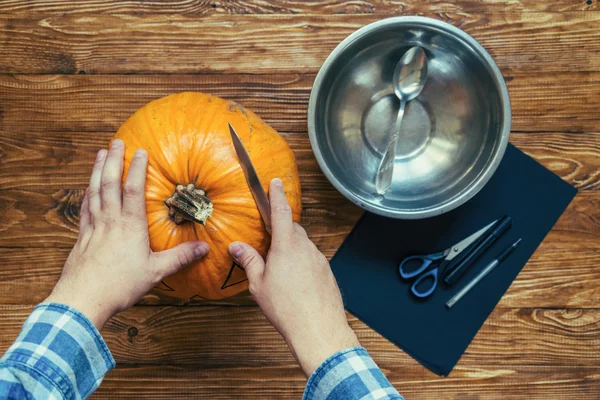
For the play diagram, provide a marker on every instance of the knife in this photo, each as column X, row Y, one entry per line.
column 256, row 188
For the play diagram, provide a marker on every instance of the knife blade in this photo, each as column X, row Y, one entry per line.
column 256, row 188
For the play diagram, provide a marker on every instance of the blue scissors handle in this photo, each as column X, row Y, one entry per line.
column 433, row 274
column 423, row 262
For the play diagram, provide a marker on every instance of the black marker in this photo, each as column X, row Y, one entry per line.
column 461, row 266
column 482, row 274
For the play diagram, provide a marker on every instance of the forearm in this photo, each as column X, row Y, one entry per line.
column 347, row 375
column 58, row 352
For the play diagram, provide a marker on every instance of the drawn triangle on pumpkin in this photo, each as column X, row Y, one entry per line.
column 164, row 287
column 236, row 275
column 197, row 297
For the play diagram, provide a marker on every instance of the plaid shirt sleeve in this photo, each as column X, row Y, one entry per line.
column 349, row 374
column 59, row 354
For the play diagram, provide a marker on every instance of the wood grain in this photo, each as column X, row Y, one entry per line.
column 59, row 160
column 180, row 43
column 72, row 72
column 414, row 382
column 557, row 278
column 27, row 276
column 42, row 203
column 241, row 337
column 515, row 382
column 50, row 218
column 103, row 103
column 573, row 157
column 201, row 7
column 552, row 278
column 541, row 102
column 36, row 168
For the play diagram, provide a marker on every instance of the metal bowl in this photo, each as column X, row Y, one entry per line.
column 453, row 135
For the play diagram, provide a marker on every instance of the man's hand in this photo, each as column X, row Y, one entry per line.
column 296, row 289
column 111, row 266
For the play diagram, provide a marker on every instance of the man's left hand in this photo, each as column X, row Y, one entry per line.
column 112, row 266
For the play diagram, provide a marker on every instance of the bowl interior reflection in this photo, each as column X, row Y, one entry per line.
column 450, row 132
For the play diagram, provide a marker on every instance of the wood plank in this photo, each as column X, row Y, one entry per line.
column 50, row 128
column 103, row 103
column 412, row 381
column 556, row 278
column 50, row 218
column 197, row 382
column 239, row 337
column 552, row 278
column 36, row 168
column 201, row 7
column 541, row 102
column 573, row 157
column 61, row 160
column 45, row 207
column 104, row 43
column 28, row 275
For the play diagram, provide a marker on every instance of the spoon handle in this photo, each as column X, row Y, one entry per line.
column 383, row 179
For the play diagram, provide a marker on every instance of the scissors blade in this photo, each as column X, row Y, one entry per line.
column 256, row 188
column 466, row 242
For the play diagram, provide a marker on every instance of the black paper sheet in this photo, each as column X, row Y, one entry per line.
column 366, row 265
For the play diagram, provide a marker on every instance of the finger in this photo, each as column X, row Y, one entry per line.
column 281, row 212
column 134, row 200
column 84, row 212
column 248, row 258
column 110, row 191
column 170, row 261
column 94, row 188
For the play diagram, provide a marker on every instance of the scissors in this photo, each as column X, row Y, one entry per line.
column 426, row 267
column 256, row 188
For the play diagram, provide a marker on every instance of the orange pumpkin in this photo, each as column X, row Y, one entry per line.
column 196, row 189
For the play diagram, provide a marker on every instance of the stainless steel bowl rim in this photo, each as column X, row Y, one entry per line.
column 482, row 179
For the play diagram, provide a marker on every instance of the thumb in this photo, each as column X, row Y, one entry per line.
column 172, row 260
column 249, row 259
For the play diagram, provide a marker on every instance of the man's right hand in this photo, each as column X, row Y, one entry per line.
column 296, row 289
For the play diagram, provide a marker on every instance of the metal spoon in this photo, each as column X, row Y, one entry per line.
column 409, row 79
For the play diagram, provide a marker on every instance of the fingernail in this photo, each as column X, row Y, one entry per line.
column 139, row 153
column 277, row 182
column 236, row 250
column 101, row 154
column 116, row 144
column 201, row 250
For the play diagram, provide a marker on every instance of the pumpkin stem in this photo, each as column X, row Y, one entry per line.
column 189, row 203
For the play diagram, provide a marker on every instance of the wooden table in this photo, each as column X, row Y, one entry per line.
column 72, row 72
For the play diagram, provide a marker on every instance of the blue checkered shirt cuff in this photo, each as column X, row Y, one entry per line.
column 59, row 354
column 349, row 374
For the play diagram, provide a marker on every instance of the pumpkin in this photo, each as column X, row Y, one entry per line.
column 196, row 188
